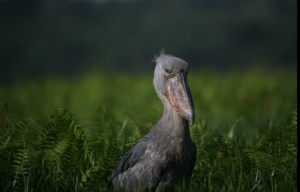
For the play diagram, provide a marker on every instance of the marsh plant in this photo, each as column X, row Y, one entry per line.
column 66, row 152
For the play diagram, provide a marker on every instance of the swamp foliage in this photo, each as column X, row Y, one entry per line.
column 245, row 133
column 64, row 159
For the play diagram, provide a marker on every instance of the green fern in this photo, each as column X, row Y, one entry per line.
column 64, row 159
column 20, row 167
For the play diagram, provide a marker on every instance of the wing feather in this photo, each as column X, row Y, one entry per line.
column 128, row 161
column 194, row 156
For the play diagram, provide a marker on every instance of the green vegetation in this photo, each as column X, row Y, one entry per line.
column 245, row 131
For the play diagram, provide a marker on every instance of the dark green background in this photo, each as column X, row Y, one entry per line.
column 67, row 38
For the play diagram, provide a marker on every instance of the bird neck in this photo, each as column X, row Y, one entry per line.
column 172, row 125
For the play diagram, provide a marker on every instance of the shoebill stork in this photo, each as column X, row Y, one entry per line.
column 166, row 156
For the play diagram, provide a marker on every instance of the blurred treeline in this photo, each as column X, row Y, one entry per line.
column 67, row 38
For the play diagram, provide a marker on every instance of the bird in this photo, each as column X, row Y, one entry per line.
column 165, row 157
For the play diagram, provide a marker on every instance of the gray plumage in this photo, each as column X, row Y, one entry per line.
column 166, row 155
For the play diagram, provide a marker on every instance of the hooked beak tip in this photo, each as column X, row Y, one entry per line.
column 191, row 120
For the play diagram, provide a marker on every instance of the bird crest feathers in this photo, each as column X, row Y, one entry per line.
column 158, row 57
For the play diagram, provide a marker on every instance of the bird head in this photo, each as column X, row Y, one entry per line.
column 170, row 82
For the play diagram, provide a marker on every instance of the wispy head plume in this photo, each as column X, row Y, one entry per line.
column 161, row 55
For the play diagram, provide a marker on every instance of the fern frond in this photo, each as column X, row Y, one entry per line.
column 20, row 166
column 7, row 134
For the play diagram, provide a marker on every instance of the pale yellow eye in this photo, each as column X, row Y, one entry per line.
column 170, row 72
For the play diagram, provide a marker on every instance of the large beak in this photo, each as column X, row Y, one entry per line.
column 180, row 97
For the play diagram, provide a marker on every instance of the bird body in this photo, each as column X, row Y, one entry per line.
column 165, row 156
